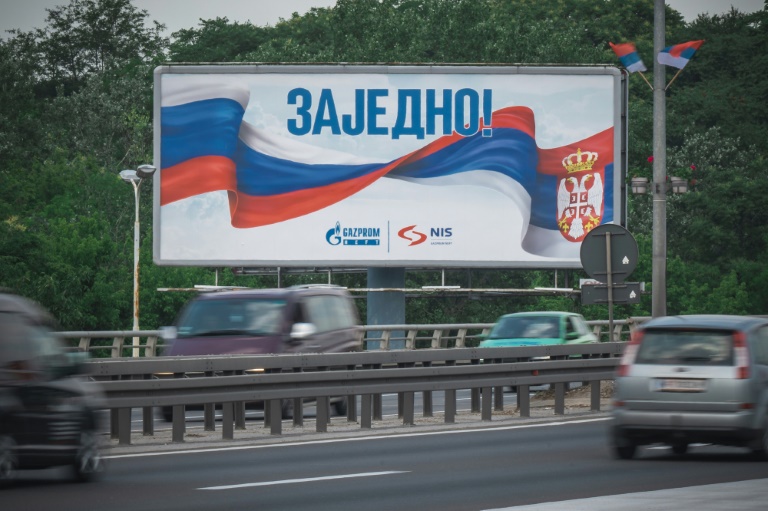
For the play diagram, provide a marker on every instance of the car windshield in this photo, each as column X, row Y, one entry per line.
column 233, row 316
column 27, row 348
column 526, row 327
column 686, row 347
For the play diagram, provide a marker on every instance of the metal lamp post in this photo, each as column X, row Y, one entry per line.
column 135, row 177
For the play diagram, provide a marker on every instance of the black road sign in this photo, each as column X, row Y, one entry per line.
column 626, row 293
column 623, row 250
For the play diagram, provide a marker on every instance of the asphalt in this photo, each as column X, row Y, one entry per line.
column 738, row 496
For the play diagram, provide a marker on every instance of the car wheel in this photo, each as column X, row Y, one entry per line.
column 625, row 452
column 88, row 464
column 341, row 407
column 8, row 460
column 760, row 449
column 623, row 448
column 680, row 448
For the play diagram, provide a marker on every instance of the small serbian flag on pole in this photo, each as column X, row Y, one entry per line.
column 678, row 55
column 628, row 56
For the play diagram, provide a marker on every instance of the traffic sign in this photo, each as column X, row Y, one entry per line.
column 626, row 293
column 622, row 249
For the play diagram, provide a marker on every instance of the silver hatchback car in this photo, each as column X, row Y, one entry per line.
column 687, row 379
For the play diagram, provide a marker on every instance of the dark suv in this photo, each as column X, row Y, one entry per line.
column 298, row 319
column 48, row 414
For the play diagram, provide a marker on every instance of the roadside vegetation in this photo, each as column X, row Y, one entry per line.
column 76, row 108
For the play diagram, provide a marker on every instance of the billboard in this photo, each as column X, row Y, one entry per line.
column 366, row 166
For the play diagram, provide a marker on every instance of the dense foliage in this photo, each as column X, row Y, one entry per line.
column 76, row 108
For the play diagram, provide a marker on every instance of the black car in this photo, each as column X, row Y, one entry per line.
column 48, row 412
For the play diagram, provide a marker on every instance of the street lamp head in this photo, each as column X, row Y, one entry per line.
column 679, row 185
column 145, row 171
column 129, row 176
column 639, row 185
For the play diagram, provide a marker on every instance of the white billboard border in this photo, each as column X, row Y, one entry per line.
column 620, row 108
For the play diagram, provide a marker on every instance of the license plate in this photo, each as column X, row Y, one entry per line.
column 679, row 385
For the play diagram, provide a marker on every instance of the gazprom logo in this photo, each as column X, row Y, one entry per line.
column 353, row 236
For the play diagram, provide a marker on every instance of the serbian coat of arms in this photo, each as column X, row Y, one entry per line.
column 579, row 196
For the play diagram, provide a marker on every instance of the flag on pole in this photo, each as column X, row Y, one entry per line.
column 628, row 56
column 678, row 55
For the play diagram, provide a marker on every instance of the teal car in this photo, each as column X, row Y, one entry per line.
column 538, row 329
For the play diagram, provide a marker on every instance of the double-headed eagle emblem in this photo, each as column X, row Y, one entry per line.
column 579, row 196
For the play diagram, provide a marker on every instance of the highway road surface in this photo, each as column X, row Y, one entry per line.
column 560, row 463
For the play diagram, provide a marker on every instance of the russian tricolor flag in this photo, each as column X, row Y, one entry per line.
column 207, row 146
column 678, row 55
column 628, row 56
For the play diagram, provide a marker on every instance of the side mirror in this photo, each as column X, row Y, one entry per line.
column 570, row 336
column 168, row 333
column 301, row 331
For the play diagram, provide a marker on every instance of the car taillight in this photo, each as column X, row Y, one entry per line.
column 742, row 355
column 630, row 352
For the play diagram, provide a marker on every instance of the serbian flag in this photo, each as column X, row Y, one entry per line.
column 628, row 56
column 678, row 55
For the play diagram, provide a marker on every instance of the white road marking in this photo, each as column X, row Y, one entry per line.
column 307, row 480
column 359, row 439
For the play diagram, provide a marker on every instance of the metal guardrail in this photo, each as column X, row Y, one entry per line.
column 120, row 343
column 234, row 380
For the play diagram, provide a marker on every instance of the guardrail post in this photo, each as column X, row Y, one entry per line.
column 124, row 426
column 461, row 338
column 85, row 344
column 117, row 347
column 276, row 416
column 322, row 415
column 426, row 400
column 594, row 395
column 351, row 402
column 450, row 406
column 437, row 338
column 209, row 411
column 366, row 411
column 524, row 400
column 475, row 394
column 378, row 413
column 178, row 423
column 384, row 344
column 487, row 402
column 560, row 398
column 150, row 349
column 498, row 398
column 408, row 405
column 410, row 340
column 227, row 421
column 148, row 418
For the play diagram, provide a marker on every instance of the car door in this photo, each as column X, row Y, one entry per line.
column 335, row 322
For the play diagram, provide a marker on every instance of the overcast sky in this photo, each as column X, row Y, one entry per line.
column 178, row 14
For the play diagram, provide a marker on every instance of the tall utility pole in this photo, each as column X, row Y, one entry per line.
column 659, row 274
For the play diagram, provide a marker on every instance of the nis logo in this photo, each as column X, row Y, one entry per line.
column 437, row 235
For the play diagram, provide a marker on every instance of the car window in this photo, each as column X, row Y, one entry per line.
column 760, row 346
column 525, row 327
column 26, row 347
column 579, row 325
column 237, row 315
column 329, row 312
column 699, row 347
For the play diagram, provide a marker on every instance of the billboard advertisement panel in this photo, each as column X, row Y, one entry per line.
column 351, row 165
